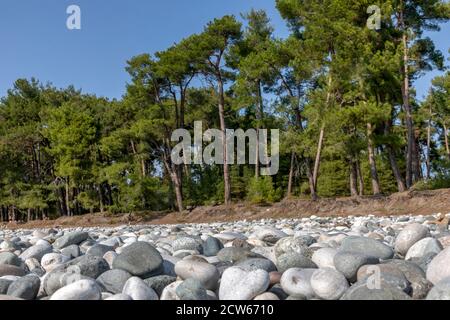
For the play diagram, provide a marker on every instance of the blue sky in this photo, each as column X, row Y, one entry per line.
column 36, row 43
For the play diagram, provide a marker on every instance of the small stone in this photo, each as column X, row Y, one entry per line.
column 324, row 257
column 361, row 291
column 169, row 292
column 72, row 251
column 257, row 263
column 113, row 280
column 99, row 250
column 297, row 282
column 409, row 236
column 348, row 263
column 423, row 247
column 140, row 259
column 294, row 260
column 239, row 284
column 388, row 274
column 186, row 243
column 87, row 265
column 439, row 267
column 234, row 254
column 329, row 284
column 4, row 284
column 70, row 238
column 137, row 289
column 367, row 247
column 191, row 289
column 158, row 283
column 120, row 296
column 420, row 286
column 37, row 251
column 10, row 258
column 79, row 290
column 212, row 246
column 51, row 260
column 441, row 291
column 266, row 296
column 25, row 288
column 10, row 270
column 298, row 245
column 207, row 274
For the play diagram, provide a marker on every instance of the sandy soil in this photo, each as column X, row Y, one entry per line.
column 411, row 203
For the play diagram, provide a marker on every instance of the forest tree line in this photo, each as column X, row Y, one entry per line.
column 341, row 94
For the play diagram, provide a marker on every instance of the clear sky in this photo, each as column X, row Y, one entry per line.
column 36, row 43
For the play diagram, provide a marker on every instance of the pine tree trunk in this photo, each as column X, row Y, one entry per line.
column 28, row 215
column 178, row 193
column 360, row 178
column 100, row 198
column 353, row 179
column 68, row 210
column 447, row 148
column 226, row 173
column 318, row 156
column 291, row 175
column 428, row 161
column 411, row 158
column 321, row 138
column 373, row 167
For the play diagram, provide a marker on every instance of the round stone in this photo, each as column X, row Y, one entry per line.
column 169, row 292
column 10, row 258
column 113, row 280
column 50, row 260
column 423, row 247
column 212, row 246
column 329, row 284
column 257, row 263
column 235, row 254
column 25, row 288
column 140, row 259
column 120, row 296
column 420, row 286
column 87, row 265
column 186, row 243
column 137, row 289
column 439, row 267
column 99, row 250
column 72, row 251
column 239, row 284
column 361, row 291
column 367, row 246
column 79, row 290
column 37, row 251
column 409, row 236
column 441, row 291
column 10, row 270
column 4, row 284
column 68, row 239
column 158, row 283
column 348, row 263
column 191, row 289
column 297, row 282
column 294, row 260
column 385, row 274
column 207, row 274
column 324, row 257
column 297, row 245
column 266, row 296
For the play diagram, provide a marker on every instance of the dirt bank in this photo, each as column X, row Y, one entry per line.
column 413, row 202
